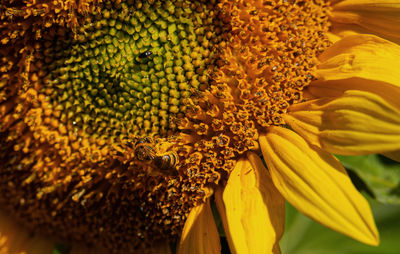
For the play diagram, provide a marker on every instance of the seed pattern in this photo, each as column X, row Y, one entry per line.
column 128, row 71
column 76, row 105
column 115, row 120
column 264, row 64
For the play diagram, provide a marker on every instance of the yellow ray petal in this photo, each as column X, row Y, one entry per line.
column 336, row 88
column 382, row 17
column 359, row 62
column 200, row 234
column 15, row 239
column 315, row 183
column 334, row 37
column 340, row 30
column 361, row 56
column 354, row 124
column 222, row 213
column 394, row 155
column 252, row 209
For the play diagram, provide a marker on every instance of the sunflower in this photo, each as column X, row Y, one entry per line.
column 122, row 122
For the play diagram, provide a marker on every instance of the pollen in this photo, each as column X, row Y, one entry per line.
column 89, row 107
column 268, row 57
column 115, row 119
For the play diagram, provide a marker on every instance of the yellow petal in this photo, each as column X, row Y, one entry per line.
column 334, row 37
column 200, row 234
column 336, row 88
column 394, row 155
column 15, row 239
column 354, row 124
column 251, row 208
column 382, row 17
column 316, row 184
column 340, row 30
column 361, row 56
column 222, row 213
column 359, row 63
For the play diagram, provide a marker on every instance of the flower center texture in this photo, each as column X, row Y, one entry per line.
column 127, row 70
column 120, row 125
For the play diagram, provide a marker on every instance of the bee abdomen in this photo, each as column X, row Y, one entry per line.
column 166, row 161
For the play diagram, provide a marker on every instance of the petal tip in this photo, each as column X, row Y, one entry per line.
column 373, row 237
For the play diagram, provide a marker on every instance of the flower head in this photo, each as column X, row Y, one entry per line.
column 123, row 120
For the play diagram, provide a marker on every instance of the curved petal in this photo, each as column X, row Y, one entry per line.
column 341, row 30
column 336, row 88
column 253, row 209
column 382, row 17
column 315, row 183
column 222, row 213
column 200, row 234
column 334, row 37
column 361, row 56
column 359, row 62
column 354, row 124
column 15, row 239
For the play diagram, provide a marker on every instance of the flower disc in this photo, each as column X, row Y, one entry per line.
column 127, row 70
column 116, row 119
column 88, row 136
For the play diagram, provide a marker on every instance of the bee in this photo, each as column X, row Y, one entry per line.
column 162, row 163
column 144, row 150
column 166, row 162
column 145, row 54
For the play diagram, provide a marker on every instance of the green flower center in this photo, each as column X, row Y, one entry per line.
column 128, row 70
column 93, row 93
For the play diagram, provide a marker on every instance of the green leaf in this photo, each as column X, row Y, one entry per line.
column 381, row 175
column 305, row 236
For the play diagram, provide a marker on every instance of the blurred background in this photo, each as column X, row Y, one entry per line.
column 305, row 236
